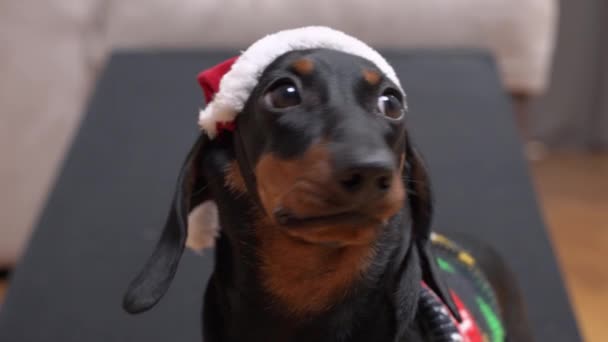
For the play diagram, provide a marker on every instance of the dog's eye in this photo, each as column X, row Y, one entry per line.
column 283, row 95
column 389, row 105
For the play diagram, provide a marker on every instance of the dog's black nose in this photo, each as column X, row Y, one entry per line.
column 370, row 176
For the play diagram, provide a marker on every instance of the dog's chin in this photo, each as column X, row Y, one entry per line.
column 337, row 230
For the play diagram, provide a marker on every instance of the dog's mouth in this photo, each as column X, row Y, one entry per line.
column 354, row 219
column 336, row 229
column 316, row 213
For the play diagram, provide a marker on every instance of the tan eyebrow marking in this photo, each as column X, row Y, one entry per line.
column 303, row 66
column 372, row 77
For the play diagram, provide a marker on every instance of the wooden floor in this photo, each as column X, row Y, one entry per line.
column 574, row 195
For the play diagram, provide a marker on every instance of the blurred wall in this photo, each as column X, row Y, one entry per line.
column 574, row 112
column 47, row 49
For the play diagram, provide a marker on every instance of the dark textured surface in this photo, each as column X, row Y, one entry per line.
column 109, row 203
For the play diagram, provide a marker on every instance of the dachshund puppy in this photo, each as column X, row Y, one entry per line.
column 325, row 208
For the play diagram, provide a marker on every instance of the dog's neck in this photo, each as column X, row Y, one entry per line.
column 308, row 278
column 269, row 287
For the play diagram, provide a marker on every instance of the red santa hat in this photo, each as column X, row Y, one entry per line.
column 227, row 86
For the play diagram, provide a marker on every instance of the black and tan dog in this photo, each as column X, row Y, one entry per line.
column 325, row 209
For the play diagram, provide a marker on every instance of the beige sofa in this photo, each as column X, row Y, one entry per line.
column 53, row 50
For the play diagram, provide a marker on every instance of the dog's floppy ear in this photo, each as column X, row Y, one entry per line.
column 420, row 203
column 154, row 280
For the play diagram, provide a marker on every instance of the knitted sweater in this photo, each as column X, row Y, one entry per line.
column 472, row 293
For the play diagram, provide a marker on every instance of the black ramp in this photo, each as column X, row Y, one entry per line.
column 107, row 208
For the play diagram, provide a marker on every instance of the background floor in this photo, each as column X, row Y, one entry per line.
column 574, row 194
column 573, row 190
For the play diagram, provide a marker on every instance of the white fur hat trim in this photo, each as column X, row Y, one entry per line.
column 237, row 84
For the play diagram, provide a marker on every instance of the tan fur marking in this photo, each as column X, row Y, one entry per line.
column 372, row 77
column 233, row 178
column 303, row 66
column 289, row 182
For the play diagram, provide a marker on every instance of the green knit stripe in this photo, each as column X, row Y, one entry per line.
column 446, row 266
column 496, row 329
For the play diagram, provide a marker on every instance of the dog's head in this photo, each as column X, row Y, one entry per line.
column 322, row 143
column 322, row 152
